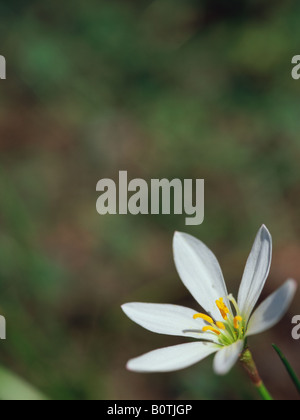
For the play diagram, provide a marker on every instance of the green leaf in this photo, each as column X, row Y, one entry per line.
column 288, row 367
column 13, row 388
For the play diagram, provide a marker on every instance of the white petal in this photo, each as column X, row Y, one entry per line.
column 167, row 319
column 270, row 312
column 256, row 272
column 227, row 357
column 172, row 358
column 200, row 272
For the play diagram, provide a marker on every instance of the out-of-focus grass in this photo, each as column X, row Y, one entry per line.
column 161, row 89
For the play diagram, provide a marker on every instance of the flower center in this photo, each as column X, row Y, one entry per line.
column 231, row 329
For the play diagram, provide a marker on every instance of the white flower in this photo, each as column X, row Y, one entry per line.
column 227, row 324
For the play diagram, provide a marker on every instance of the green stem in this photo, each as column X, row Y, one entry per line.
column 248, row 363
column 288, row 367
column 264, row 393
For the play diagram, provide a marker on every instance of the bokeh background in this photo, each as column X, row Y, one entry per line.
column 162, row 89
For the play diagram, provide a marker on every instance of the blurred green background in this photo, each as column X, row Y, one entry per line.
column 165, row 88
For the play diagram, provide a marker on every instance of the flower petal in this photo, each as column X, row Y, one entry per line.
column 227, row 357
column 256, row 272
column 200, row 272
column 270, row 312
column 168, row 319
column 172, row 358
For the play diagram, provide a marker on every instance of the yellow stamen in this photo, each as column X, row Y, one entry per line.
column 205, row 317
column 220, row 325
column 212, row 329
column 236, row 322
column 222, row 308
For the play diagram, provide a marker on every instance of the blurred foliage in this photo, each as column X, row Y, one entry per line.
column 13, row 388
column 165, row 88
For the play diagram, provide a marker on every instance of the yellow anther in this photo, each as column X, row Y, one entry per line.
column 236, row 322
column 204, row 317
column 222, row 308
column 220, row 325
column 212, row 329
